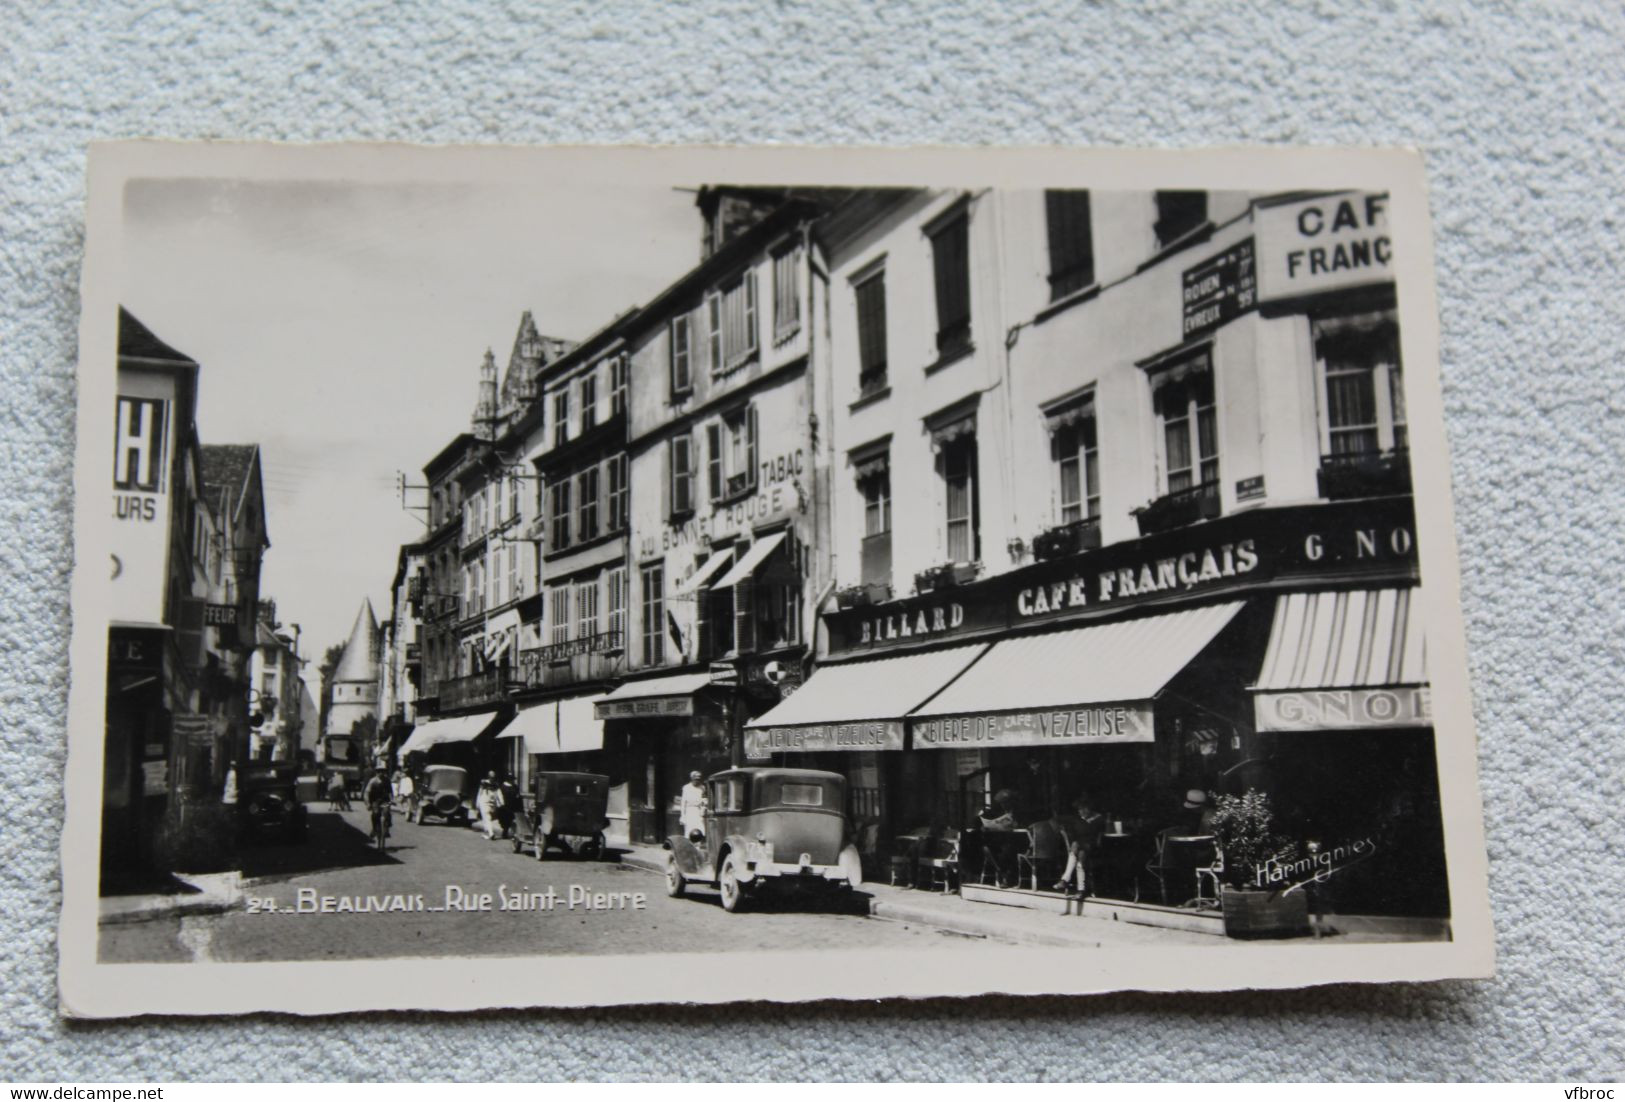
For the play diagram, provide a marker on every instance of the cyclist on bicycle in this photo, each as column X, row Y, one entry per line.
column 377, row 794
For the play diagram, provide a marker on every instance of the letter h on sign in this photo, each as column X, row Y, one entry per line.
column 138, row 445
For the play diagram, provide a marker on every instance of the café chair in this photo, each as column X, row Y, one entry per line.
column 1179, row 855
column 938, row 863
column 1044, row 858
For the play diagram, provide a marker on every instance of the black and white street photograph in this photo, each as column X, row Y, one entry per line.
column 1031, row 575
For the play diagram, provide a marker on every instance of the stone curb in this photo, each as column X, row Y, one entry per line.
column 220, row 892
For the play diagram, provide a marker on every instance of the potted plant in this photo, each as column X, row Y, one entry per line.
column 861, row 596
column 946, row 575
column 1244, row 830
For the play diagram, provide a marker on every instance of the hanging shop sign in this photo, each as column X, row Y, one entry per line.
column 878, row 734
column 1328, row 243
column 1311, row 543
column 1343, row 709
column 1220, row 288
column 1052, row 727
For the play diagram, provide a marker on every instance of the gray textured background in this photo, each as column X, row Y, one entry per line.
column 1518, row 110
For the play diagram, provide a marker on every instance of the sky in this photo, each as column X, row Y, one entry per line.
column 341, row 327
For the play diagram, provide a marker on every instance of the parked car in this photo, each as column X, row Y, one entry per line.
column 564, row 812
column 445, row 792
column 767, row 829
column 268, row 802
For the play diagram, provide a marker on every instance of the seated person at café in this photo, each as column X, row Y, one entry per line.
column 1081, row 826
column 999, row 848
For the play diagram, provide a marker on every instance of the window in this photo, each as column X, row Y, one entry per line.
column 1178, row 213
column 493, row 582
column 680, row 466
column 682, row 378
column 1365, row 394
column 589, row 401
column 950, row 259
column 479, row 587
column 1184, row 402
column 559, row 617
column 617, row 603
column 1077, row 466
column 516, row 583
column 587, row 504
column 619, row 496
column 786, row 294
column 654, row 615
column 1071, row 242
column 513, row 497
column 561, row 417
column 586, row 609
column 617, row 386
column 732, row 315
column 561, row 513
column 468, row 591
column 958, row 462
column 731, row 446
column 874, row 483
column 871, row 304
column 802, row 795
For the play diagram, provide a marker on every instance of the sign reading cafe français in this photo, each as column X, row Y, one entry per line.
column 877, row 734
column 1322, row 244
column 1051, row 727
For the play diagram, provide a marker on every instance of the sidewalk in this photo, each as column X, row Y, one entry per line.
column 216, row 892
column 959, row 916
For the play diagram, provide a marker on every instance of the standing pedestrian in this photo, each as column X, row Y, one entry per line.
column 489, row 801
column 691, row 811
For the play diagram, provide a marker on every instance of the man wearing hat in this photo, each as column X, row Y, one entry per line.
column 691, row 817
column 1198, row 812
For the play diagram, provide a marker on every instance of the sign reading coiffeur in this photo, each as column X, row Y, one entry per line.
column 1322, row 244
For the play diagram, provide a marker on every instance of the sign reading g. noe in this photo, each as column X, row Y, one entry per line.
column 1322, row 244
column 1340, row 709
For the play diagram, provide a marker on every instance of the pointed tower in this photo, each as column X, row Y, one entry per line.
column 519, row 381
column 355, row 678
column 484, row 421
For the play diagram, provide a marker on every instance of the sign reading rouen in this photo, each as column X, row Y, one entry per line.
column 1292, row 545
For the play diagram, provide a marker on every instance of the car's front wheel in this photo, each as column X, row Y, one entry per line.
column 733, row 892
column 676, row 886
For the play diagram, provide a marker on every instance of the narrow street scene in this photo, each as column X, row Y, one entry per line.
column 912, row 568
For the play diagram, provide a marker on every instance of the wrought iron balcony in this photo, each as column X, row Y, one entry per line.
column 1067, row 539
column 1365, row 474
column 1176, row 510
column 486, row 687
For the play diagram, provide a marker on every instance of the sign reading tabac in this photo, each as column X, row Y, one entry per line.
column 1050, row 727
column 876, row 734
column 1322, row 244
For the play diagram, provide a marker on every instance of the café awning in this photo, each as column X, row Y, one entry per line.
column 705, row 573
column 857, row 705
column 1342, row 660
column 451, row 729
column 652, row 697
column 580, row 729
column 538, row 725
column 753, row 557
column 1087, row 685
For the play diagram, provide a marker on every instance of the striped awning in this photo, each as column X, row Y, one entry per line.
column 1344, row 659
column 1086, row 685
column 753, row 557
column 857, row 705
column 704, row 573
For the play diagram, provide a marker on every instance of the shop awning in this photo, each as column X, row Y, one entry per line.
column 750, row 560
column 452, row 729
column 705, row 573
column 653, row 697
column 1087, row 685
column 857, row 705
column 580, row 729
column 538, row 725
column 1342, row 660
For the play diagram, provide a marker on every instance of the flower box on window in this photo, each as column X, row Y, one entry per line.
column 1365, row 474
column 1182, row 507
column 862, row 596
column 1067, row 539
column 946, row 576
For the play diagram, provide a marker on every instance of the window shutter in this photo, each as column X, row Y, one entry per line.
column 713, row 454
column 750, row 446
column 713, row 309
column 670, row 479
column 750, row 312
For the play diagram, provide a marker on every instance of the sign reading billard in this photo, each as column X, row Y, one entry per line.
column 1050, row 727
column 1343, row 709
column 877, row 734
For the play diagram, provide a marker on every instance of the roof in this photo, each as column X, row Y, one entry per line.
column 359, row 662
column 136, row 340
column 226, row 466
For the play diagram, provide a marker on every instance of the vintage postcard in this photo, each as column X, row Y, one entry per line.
column 570, row 577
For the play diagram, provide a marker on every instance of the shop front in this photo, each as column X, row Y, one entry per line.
column 467, row 741
column 656, row 731
column 562, row 734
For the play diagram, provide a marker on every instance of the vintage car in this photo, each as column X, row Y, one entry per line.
column 767, row 829
column 564, row 812
column 268, row 802
column 445, row 792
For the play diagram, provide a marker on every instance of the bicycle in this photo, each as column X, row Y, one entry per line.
column 380, row 826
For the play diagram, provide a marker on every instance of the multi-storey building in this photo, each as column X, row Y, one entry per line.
column 276, row 690
column 1122, row 510
column 721, row 445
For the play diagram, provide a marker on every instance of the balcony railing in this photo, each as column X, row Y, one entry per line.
column 1067, row 539
column 1182, row 507
column 1365, row 474
column 485, row 687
